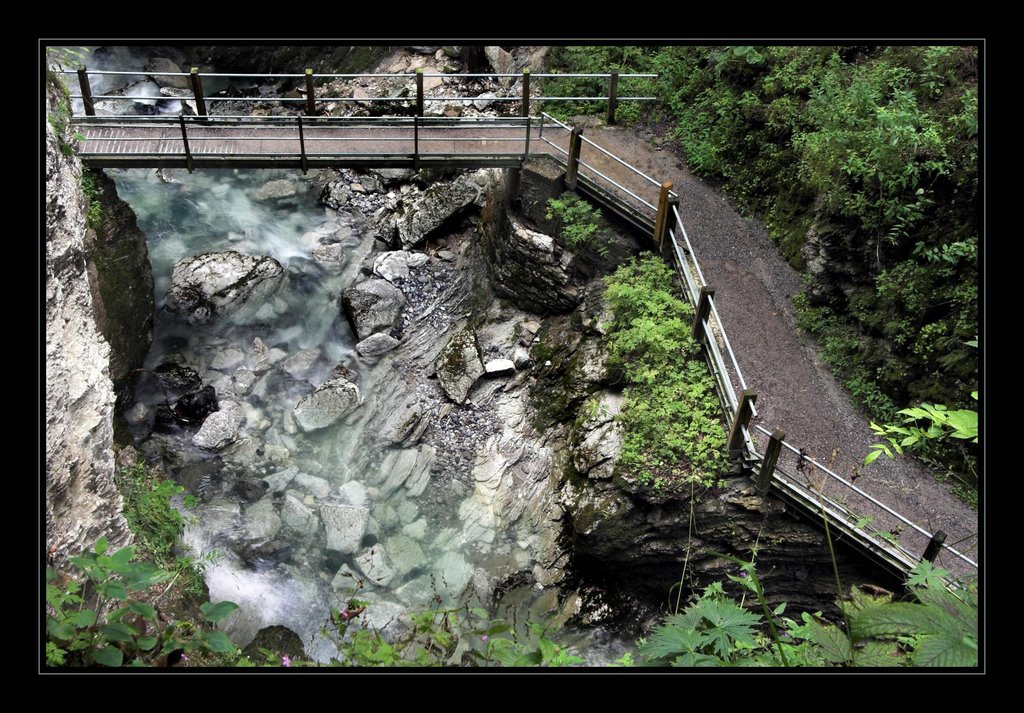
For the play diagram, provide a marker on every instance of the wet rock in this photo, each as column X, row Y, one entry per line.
column 372, row 306
column 332, row 400
column 452, row 573
column 273, row 551
column 376, row 565
column 277, row 482
column 353, row 493
column 392, row 176
column 227, row 359
column 345, row 579
column 243, row 380
column 528, row 332
column 416, row 530
column 345, row 525
column 406, row 555
column 138, row 414
column 279, row 639
column 329, row 255
column 312, row 484
column 335, row 195
column 250, row 489
column 377, row 344
column 194, row 406
column 177, row 380
column 415, row 260
column 205, row 287
column 446, row 255
column 301, row 363
column 499, row 367
column 392, row 265
column 261, row 521
column 521, row 357
column 459, row 365
column 275, row 190
column 298, row 516
column 596, row 443
column 220, row 428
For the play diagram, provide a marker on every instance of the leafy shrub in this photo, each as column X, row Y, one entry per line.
column 578, row 223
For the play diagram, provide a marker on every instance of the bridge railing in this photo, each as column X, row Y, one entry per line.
column 412, row 95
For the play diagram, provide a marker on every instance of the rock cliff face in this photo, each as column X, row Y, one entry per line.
column 82, row 502
column 122, row 281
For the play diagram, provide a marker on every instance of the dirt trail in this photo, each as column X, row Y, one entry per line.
column 796, row 390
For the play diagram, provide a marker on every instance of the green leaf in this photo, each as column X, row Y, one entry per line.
column 217, row 641
column 893, row 619
column 833, row 644
column 144, row 610
column 101, row 545
column 877, row 654
column 872, row 456
column 108, row 656
column 779, row 610
column 141, row 575
column 59, row 629
column 123, row 556
column 943, row 650
column 927, row 575
column 145, row 643
column 220, row 610
column 118, row 631
column 114, row 589
column 85, row 618
column 861, row 522
column 547, row 650
column 671, row 639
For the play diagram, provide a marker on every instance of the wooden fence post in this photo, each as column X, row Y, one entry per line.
column 526, row 91
column 83, row 82
column 661, row 223
column 302, row 144
column 702, row 309
column 572, row 162
column 743, row 414
column 184, row 140
column 771, row 457
column 935, row 546
column 310, row 93
column 419, row 92
column 197, row 91
column 613, row 99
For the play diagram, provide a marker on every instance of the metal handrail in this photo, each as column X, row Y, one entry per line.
column 617, row 185
column 612, row 156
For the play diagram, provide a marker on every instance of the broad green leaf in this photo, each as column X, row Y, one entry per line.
column 144, row 610
column 141, row 575
column 670, row 639
column 895, row 618
column 547, row 650
column 118, row 614
column 118, row 631
column 101, row 545
column 220, row 610
column 108, row 656
column 832, row 642
column 123, row 556
column 59, row 629
column 877, row 654
column 145, row 643
column 779, row 610
column 217, row 641
column 114, row 589
column 85, row 618
column 927, row 575
column 943, row 650
column 872, row 456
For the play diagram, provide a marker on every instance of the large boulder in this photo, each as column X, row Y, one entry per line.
column 162, row 64
column 345, row 520
column 501, row 62
column 376, row 344
column 220, row 428
column 529, row 268
column 459, row 365
column 208, row 286
column 372, row 306
column 437, row 204
column 332, row 400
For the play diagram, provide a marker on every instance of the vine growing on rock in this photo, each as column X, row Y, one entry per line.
column 672, row 418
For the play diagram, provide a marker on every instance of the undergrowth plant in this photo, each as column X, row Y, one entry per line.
column 578, row 223
column 672, row 417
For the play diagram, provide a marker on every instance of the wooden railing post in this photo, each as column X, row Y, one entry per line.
column 83, row 82
column 613, row 99
column 934, row 546
column 419, row 92
column 302, row 144
column 184, row 140
column 661, row 223
column 741, row 420
column 702, row 310
column 526, row 91
column 572, row 162
column 197, row 92
column 310, row 93
column 771, row 457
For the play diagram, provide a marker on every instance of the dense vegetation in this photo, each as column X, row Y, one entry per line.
column 863, row 163
column 672, row 418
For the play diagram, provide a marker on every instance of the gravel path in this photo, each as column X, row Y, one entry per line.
column 796, row 390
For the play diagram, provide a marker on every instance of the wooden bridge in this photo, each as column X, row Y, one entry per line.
column 777, row 466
